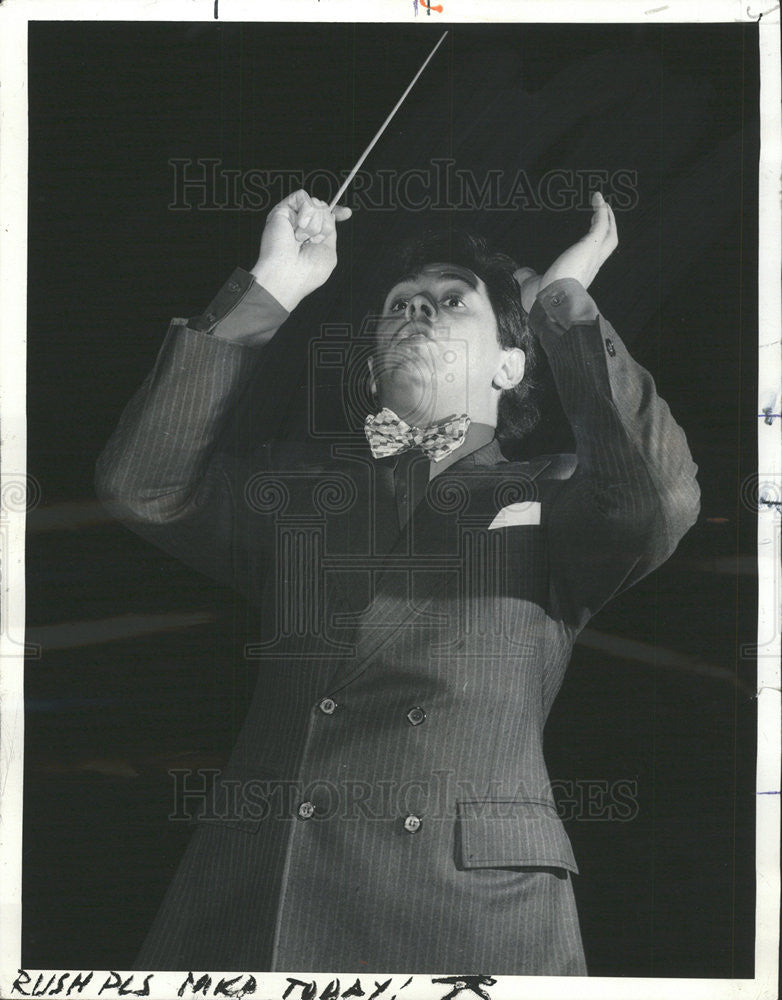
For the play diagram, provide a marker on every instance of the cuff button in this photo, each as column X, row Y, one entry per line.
column 416, row 716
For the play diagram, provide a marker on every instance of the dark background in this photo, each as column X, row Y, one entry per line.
column 136, row 667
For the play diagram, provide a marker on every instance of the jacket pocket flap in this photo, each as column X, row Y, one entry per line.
column 509, row 833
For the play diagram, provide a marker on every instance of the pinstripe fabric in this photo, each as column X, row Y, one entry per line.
column 429, row 840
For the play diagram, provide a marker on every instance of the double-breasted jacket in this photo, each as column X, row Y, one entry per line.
column 387, row 806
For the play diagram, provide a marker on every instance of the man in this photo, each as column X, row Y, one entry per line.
column 387, row 806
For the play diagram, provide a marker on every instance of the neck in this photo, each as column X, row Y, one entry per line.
column 478, row 435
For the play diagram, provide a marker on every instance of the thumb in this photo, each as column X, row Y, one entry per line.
column 524, row 274
column 342, row 213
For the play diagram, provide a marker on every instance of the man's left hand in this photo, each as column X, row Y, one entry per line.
column 582, row 261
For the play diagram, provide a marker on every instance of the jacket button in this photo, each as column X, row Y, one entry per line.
column 306, row 810
column 327, row 706
column 233, row 286
column 210, row 317
column 610, row 348
column 416, row 716
column 412, row 824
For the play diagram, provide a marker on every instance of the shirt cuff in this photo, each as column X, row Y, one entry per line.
column 242, row 312
column 562, row 304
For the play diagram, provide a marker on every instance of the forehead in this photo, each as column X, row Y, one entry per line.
column 442, row 272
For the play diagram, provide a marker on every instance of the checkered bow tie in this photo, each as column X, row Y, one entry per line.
column 388, row 435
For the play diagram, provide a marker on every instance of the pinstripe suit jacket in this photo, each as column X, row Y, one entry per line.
column 387, row 806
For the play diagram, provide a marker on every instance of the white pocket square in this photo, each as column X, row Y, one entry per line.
column 517, row 513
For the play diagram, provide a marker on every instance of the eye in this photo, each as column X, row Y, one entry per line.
column 453, row 301
column 398, row 304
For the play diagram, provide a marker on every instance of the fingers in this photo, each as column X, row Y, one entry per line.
column 602, row 228
column 613, row 235
column 598, row 227
column 610, row 239
column 310, row 218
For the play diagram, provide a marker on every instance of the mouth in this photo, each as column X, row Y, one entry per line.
column 412, row 330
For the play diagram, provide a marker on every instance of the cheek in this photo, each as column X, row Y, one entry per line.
column 473, row 356
column 490, row 351
column 454, row 361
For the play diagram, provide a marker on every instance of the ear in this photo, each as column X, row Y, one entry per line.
column 511, row 369
column 372, row 379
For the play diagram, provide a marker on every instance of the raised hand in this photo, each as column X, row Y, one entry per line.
column 582, row 261
column 298, row 247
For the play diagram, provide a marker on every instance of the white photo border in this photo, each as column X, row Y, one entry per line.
column 14, row 18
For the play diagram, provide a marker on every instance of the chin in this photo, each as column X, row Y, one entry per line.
column 409, row 393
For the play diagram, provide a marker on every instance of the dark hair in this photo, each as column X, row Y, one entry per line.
column 519, row 408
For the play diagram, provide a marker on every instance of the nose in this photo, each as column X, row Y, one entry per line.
column 420, row 305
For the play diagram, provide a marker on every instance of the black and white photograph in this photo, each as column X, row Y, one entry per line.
column 390, row 440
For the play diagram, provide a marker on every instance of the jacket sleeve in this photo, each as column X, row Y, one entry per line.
column 170, row 471
column 633, row 494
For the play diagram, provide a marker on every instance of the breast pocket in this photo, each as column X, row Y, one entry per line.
column 503, row 833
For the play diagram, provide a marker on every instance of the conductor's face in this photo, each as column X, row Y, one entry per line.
column 437, row 350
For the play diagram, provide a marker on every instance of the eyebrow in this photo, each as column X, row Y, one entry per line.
column 465, row 276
